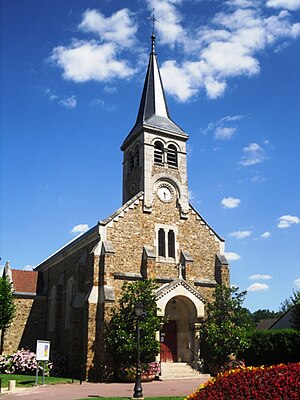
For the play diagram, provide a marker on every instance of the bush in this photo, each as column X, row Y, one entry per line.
column 22, row 362
column 281, row 382
column 271, row 347
column 122, row 328
column 225, row 328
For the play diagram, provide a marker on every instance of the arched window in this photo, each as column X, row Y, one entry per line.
column 130, row 159
column 137, row 155
column 70, row 296
column 161, row 243
column 172, row 156
column 52, row 316
column 171, row 244
column 158, row 153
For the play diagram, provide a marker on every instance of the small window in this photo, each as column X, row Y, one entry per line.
column 136, row 156
column 161, row 243
column 70, row 296
column 172, row 156
column 171, row 244
column 130, row 161
column 158, row 153
column 52, row 316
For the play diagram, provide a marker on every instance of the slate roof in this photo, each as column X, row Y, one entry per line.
column 265, row 323
column 24, row 281
column 153, row 110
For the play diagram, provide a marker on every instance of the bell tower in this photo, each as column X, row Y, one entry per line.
column 154, row 152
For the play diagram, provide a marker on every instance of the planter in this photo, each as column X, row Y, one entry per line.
column 131, row 379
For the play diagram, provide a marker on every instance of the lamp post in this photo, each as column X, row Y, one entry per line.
column 138, row 390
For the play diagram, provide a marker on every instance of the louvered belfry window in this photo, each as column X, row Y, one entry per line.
column 158, row 153
column 172, row 156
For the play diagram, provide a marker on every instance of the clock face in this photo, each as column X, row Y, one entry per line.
column 165, row 192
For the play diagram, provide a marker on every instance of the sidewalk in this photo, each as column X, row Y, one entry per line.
column 76, row 391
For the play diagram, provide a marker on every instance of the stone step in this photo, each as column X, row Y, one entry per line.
column 172, row 371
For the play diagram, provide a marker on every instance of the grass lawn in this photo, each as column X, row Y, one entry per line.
column 126, row 398
column 29, row 380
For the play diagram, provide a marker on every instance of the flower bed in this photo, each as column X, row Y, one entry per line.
column 21, row 362
column 280, row 382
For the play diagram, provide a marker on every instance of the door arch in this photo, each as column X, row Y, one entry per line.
column 177, row 334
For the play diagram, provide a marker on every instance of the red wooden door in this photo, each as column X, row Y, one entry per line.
column 168, row 342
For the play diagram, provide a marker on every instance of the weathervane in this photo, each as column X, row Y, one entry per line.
column 153, row 19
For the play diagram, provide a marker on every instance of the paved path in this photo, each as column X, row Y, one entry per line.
column 76, row 391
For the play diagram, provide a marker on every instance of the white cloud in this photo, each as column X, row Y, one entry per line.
column 253, row 154
column 119, row 28
column 231, row 256
column 291, row 5
column 208, row 56
column 240, row 234
column 230, row 202
column 224, row 128
column 1, row 270
column 224, row 133
column 69, row 102
column 99, row 58
column 169, row 20
column 191, row 195
column 257, row 287
column 285, row 221
column 227, row 47
column 259, row 276
column 297, row 283
column 178, row 81
column 266, row 235
column 83, row 61
column 27, row 268
column 80, row 228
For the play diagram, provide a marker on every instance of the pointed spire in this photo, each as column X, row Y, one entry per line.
column 153, row 110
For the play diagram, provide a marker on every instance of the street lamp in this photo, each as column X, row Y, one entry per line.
column 138, row 390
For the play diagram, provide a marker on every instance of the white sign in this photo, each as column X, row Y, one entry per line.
column 42, row 350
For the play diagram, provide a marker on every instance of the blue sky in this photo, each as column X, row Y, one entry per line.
column 71, row 80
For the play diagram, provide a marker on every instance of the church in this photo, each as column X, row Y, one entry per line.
column 155, row 234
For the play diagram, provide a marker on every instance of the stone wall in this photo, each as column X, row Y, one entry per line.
column 28, row 324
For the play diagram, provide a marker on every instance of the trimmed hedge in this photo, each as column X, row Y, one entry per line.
column 269, row 347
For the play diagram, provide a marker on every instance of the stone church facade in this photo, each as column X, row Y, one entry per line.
column 156, row 234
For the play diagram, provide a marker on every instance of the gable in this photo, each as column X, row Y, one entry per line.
column 179, row 287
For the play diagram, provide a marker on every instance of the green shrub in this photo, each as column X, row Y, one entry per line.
column 268, row 347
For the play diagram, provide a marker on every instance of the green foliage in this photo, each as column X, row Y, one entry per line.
column 224, row 331
column 295, row 310
column 263, row 314
column 268, row 347
column 122, row 328
column 7, row 307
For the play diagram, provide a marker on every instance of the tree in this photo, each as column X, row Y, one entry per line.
column 224, row 332
column 122, row 328
column 295, row 310
column 260, row 314
column 7, row 307
column 292, row 303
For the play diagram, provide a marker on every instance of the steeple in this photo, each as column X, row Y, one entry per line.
column 153, row 110
column 154, row 152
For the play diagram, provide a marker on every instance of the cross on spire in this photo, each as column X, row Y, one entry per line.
column 153, row 19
